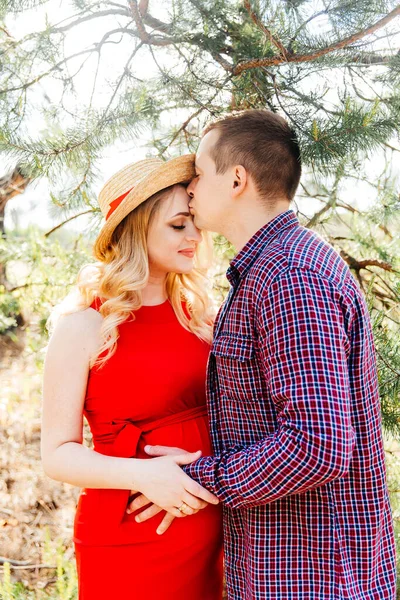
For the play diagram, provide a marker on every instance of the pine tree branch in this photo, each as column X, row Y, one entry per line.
column 327, row 11
column 85, row 212
column 357, row 212
column 310, row 100
column 12, row 185
column 371, row 262
column 143, row 8
column 6, row 32
column 278, row 94
column 141, row 31
column 384, row 283
column 116, row 88
column 358, row 265
column 310, row 195
column 80, row 18
column 137, row 17
column 297, row 58
column 370, row 58
column 391, row 147
column 13, row 562
column 345, row 205
column 157, row 24
column 92, row 6
column 383, row 359
column 179, row 85
column 192, row 116
column 213, row 83
column 95, row 48
column 314, row 220
column 257, row 21
column 330, row 204
column 356, row 90
column 377, row 38
column 208, row 15
column 89, row 17
column 182, row 128
column 151, row 40
column 201, row 8
column 307, row 21
column 37, row 566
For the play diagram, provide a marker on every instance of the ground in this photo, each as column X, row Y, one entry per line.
column 36, row 513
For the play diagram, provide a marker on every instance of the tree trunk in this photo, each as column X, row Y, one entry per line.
column 11, row 185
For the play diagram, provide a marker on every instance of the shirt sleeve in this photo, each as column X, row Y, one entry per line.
column 303, row 353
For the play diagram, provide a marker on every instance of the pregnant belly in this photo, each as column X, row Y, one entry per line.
column 189, row 435
column 101, row 517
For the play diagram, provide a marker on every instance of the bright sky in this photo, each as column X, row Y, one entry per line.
column 32, row 206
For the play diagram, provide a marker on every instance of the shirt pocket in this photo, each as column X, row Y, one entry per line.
column 238, row 370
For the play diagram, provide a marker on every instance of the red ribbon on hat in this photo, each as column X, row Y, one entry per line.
column 115, row 203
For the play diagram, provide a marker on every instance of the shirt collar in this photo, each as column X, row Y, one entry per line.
column 248, row 254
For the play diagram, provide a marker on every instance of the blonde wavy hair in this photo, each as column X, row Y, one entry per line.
column 120, row 278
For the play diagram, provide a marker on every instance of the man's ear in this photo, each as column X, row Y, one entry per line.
column 239, row 180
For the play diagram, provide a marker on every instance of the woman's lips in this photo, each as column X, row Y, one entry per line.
column 189, row 253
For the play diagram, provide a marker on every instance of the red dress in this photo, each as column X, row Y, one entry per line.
column 151, row 391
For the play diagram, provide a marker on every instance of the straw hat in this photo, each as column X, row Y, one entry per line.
column 134, row 184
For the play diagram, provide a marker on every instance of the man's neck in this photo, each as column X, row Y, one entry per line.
column 241, row 227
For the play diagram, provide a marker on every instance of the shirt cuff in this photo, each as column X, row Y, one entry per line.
column 201, row 471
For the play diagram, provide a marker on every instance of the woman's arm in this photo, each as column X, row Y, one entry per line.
column 64, row 458
column 75, row 339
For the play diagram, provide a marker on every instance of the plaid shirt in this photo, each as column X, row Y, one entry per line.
column 295, row 422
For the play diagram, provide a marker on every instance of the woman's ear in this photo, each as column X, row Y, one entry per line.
column 239, row 180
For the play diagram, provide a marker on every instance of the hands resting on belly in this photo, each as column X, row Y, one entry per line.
column 192, row 498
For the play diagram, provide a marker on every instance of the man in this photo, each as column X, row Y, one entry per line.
column 292, row 386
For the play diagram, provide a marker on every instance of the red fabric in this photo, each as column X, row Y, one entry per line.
column 151, row 391
column 115, row 203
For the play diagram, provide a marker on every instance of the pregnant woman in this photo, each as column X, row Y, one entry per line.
column 129, row 352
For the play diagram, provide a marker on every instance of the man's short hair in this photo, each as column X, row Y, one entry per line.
column 265, row 145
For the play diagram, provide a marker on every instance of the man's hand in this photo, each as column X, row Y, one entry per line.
column 166, row 451
column 151, row 511
column 163, row 483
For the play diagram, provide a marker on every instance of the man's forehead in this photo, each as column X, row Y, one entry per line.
column 206, row 144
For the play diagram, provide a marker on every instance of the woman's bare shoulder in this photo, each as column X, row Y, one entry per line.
column 79, row 329
column 88, row 318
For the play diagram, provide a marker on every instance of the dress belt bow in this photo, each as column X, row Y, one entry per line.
column 123, row 439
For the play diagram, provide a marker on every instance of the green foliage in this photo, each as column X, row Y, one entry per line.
column 64, row 588
column 357, row 130
column 205, row 41
column 393, row 479
column 42, row 271
column 344, row 105
column 9, row 311
column 388, row 356
column 17, row 6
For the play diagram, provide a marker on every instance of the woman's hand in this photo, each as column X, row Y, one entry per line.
column 151, row 511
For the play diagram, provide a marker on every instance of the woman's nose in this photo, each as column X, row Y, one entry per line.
column 194, row 234
column 190, row 188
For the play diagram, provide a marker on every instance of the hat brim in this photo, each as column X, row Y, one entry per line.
column 174, row 171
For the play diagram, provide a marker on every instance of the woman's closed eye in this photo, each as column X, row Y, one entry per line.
column 178, row 226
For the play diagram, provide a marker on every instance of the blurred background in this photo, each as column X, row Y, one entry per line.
column 87, row 87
